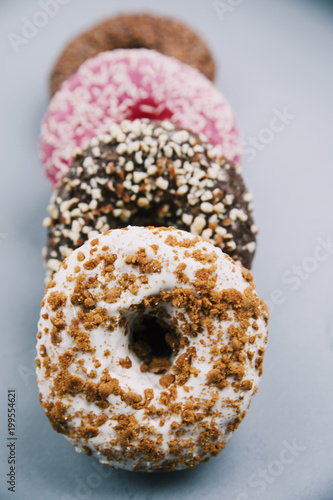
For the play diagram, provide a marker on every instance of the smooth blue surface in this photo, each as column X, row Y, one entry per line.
column 272, row 55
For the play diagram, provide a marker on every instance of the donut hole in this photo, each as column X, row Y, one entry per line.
column 154, row 343
column 148, row 108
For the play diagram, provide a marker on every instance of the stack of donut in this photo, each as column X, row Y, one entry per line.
column 151, row 336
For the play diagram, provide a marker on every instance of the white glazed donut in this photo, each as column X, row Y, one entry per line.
column 150, row 347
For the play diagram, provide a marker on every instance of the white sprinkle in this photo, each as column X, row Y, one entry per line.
column 181, row 136
column 192, row 199
column 120, row 137
column 168, row 125
column 198, row 225
column 83, row 207
column 148, row 161
column 133, row 146
column 230, row 245
column 93, row 234
column 152, row 170
column 214, row 171
column 188, row 167
column 75, row 182
column 76, row 212
column 127, row 184
column 76, row 226
column 185, row 148
column 88, row 162
column 182, row 189
column 142, row 202
column 248, row 196
column 207, row 196
column 65, row 205
column 219, row 208
column 138, row 157
column 96, row 151
column 236, row 213
column 212, row 219
column 139, row 176
column 99, row 224
column 187, row 219
column 129, row 166
column 147, row 139
column 212, row 152
column 125, row 215
column 193, row 181
column 53, row 264
column 198, row 173
column 66, row 251
column 229, row 198
column 206, row 207
column 162, row 140
column 121, row 148
column 96, row 193
column 206, row 234
column 233, row 213
column 101, row 181
column 181, row 180
column 47, row 222
column 221, row 231
column 242, row 215
column 106, row 138
column 93, row 204
column 251, row 246
column 254, row 229
column 158, row 131
column 93, row 183
column 162, row 183
column 222, row 176
column 66, row 216
column 168, row 151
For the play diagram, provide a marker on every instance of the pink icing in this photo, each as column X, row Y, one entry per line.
column 128, row 84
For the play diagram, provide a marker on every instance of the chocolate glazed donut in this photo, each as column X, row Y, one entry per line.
column 151, row 173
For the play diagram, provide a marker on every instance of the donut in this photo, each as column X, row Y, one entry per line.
column 150, row 173
column 129, row 84
column 168, row 36
column 150, row 347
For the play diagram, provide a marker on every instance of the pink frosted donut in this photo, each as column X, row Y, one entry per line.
column 129, row 84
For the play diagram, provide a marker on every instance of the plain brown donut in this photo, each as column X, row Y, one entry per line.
column 168, row 36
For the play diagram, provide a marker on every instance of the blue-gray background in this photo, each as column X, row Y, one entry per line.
column 274, row 56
